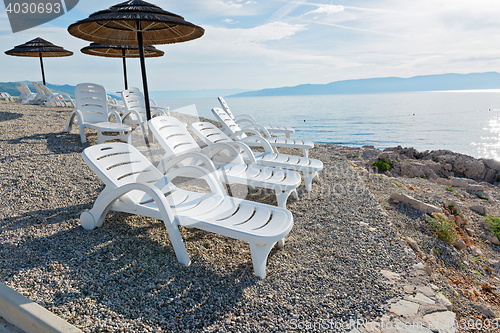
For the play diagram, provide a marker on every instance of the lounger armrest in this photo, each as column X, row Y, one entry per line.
column 160, row 111
column 261, row 129
column 245, row 118
column 153, row 191
column 116, row 114
column 129, row 112
column 243, row 148
column 263, row 142
column 215, row 148
column 194, row 171
column 168, row 163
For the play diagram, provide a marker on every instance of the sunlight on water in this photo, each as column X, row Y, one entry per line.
column 491, row 144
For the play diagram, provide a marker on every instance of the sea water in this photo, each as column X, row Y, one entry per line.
column 467, row 122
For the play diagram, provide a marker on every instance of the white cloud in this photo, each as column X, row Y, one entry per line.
column 326, row 9
column 228, row 20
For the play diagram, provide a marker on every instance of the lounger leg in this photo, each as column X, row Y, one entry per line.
column 287, row 135
column 306, row 152
column 82, row 134
column 100, row 137
column 295, row 194
column 281, row 243
column 308, row 178
column 259, row 258
column 177, row 243
column 281, row 197
column 316, row 175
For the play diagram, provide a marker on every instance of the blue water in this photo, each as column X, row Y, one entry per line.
column 463, row 121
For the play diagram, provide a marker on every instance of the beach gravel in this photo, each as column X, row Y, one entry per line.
column 124, row 277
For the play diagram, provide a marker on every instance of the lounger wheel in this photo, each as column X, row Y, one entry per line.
column 281, row 243
column 87, row 221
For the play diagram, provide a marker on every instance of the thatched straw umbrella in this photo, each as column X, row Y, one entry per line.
column 40, row 48
column 121, row 51
column 136, row 22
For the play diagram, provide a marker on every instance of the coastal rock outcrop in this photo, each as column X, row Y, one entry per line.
column 434, row 165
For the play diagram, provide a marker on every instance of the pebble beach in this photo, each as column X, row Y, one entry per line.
column 348, row 257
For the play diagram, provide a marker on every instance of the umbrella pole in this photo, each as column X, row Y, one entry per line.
column 41, row 64
column 124, row 69
column 143, row 69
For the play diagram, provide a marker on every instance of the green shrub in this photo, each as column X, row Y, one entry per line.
column 494, row 223
column 444, row 228
column 423, row 176
column 353, row 156
column 449, row 189
column 382, row 165
column 480, row 196
column 396, row 184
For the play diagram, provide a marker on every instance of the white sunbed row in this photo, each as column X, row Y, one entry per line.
column 135, row 186
column 44, row 96
column 7, row 97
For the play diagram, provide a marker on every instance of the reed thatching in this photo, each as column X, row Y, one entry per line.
column 120, row 51
column 38, row 46
column 119, row 25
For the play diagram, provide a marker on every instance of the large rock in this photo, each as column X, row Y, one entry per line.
column 442, row 322
column 458, row 182
column 416, row 204
column 492, row 164
column 480, row 209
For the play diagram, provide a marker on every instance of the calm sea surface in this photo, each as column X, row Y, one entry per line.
column 463, row 121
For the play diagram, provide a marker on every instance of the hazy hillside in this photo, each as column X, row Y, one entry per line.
column 490, row 80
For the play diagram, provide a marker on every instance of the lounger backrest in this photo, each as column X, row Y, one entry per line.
column 227, row 122
column 133, row 99
column 25, row 88
column 46, row 90
column 173, row 136
column 225, row 107
column 118, row 164
column 91, row 101
column 209, row 133
column 38, row 88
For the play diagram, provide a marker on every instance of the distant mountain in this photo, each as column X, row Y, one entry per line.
column 209, row 93
column 10, row 87
column 490, row 80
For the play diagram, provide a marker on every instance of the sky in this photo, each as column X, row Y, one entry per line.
column 256, row 44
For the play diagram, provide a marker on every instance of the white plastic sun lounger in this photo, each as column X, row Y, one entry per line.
column 6, row 96
column 135, row 107
column 246, row 118
column 308, row 166
column 179, row 146
column 40, row 97
column 236, row 133
column 135, row 186
column 59, row 99
column 26, row 95
column 92, row 112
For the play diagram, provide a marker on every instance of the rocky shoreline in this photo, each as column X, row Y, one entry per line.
column 410, row 163
column 361, row 248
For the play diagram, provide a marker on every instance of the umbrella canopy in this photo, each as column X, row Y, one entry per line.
column 121, row 51
column 39, row 48
column 136, row 22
